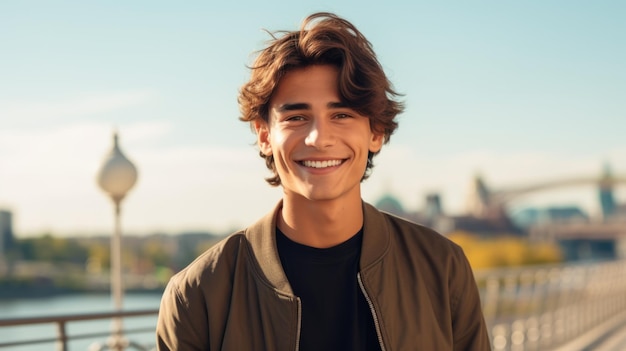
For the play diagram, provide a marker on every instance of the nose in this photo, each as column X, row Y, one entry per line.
column 320, row 134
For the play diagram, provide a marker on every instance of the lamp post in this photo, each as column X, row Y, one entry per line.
column 116, row 177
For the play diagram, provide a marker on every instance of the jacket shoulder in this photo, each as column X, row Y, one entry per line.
column 216, row 261
column 424, row 237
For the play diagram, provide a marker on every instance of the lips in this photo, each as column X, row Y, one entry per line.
column 321, row 164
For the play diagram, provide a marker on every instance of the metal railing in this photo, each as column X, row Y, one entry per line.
column 545, row 308
column 62, row 338
column 527, row 308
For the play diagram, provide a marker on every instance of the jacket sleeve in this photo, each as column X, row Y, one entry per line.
column 470, row 331
column 182, row 324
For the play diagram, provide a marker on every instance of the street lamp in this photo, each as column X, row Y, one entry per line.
column 116, row 177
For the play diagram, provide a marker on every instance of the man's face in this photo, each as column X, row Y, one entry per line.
column 320, row 146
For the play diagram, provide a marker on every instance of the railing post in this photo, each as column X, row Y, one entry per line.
column 62, row 343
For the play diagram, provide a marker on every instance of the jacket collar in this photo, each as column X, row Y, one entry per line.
column 376, row 236
column 262, row 238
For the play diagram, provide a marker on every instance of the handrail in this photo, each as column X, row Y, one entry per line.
column 73, row 317
column 61, row 322
column 530, row 308
column 545, row 307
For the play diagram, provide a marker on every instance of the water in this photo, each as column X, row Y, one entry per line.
column 74, row 304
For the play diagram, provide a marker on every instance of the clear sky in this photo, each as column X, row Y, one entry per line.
column 518, row 91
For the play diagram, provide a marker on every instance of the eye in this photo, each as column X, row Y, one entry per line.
column 294, row 118
column 342, row 116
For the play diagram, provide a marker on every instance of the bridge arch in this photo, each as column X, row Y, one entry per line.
column 487, row 203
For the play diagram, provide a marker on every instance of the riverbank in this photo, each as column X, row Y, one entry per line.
column 14, row 288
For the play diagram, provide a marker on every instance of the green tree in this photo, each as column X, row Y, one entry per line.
column 47, row 248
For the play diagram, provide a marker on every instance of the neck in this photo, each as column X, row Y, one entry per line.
column 320, row 224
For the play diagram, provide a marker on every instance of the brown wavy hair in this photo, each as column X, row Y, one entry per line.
column 324, row 38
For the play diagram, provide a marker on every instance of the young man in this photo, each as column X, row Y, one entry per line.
column 323, row 270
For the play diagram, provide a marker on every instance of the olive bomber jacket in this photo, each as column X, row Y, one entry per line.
column 235, row 296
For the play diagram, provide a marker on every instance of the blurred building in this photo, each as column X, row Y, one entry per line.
column 433, row 215
column 390, row 204
column 533, row 216
column 581, row 235
column 608, row 205
column 6, row 232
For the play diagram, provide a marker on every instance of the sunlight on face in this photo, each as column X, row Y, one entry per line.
column 320, row 145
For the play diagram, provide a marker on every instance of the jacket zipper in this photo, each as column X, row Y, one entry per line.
column 299, row 323
column 371, row 305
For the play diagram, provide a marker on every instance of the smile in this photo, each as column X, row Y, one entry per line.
column 321, row 164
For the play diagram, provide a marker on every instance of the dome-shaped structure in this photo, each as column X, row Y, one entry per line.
column 389, row 203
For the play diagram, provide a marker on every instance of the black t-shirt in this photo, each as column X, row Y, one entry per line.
column 335, row 314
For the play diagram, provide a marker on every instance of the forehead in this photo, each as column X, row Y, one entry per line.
column 310, row 83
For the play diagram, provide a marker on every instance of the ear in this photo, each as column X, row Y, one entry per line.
column 263, row 136
column 376, row 142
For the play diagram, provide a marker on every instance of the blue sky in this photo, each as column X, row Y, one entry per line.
column 519, row 91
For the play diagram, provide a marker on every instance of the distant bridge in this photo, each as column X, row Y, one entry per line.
column 504, row 196
column 491, row 204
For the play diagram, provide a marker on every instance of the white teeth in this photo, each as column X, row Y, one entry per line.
column 321, row 164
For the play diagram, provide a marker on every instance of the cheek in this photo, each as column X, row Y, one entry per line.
column 277, row 139
column 282, row 142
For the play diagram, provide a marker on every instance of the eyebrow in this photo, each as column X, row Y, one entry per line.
column 305, row 106
column 294, row 107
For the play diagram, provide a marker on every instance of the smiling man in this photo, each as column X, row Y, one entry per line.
column 323, row 270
